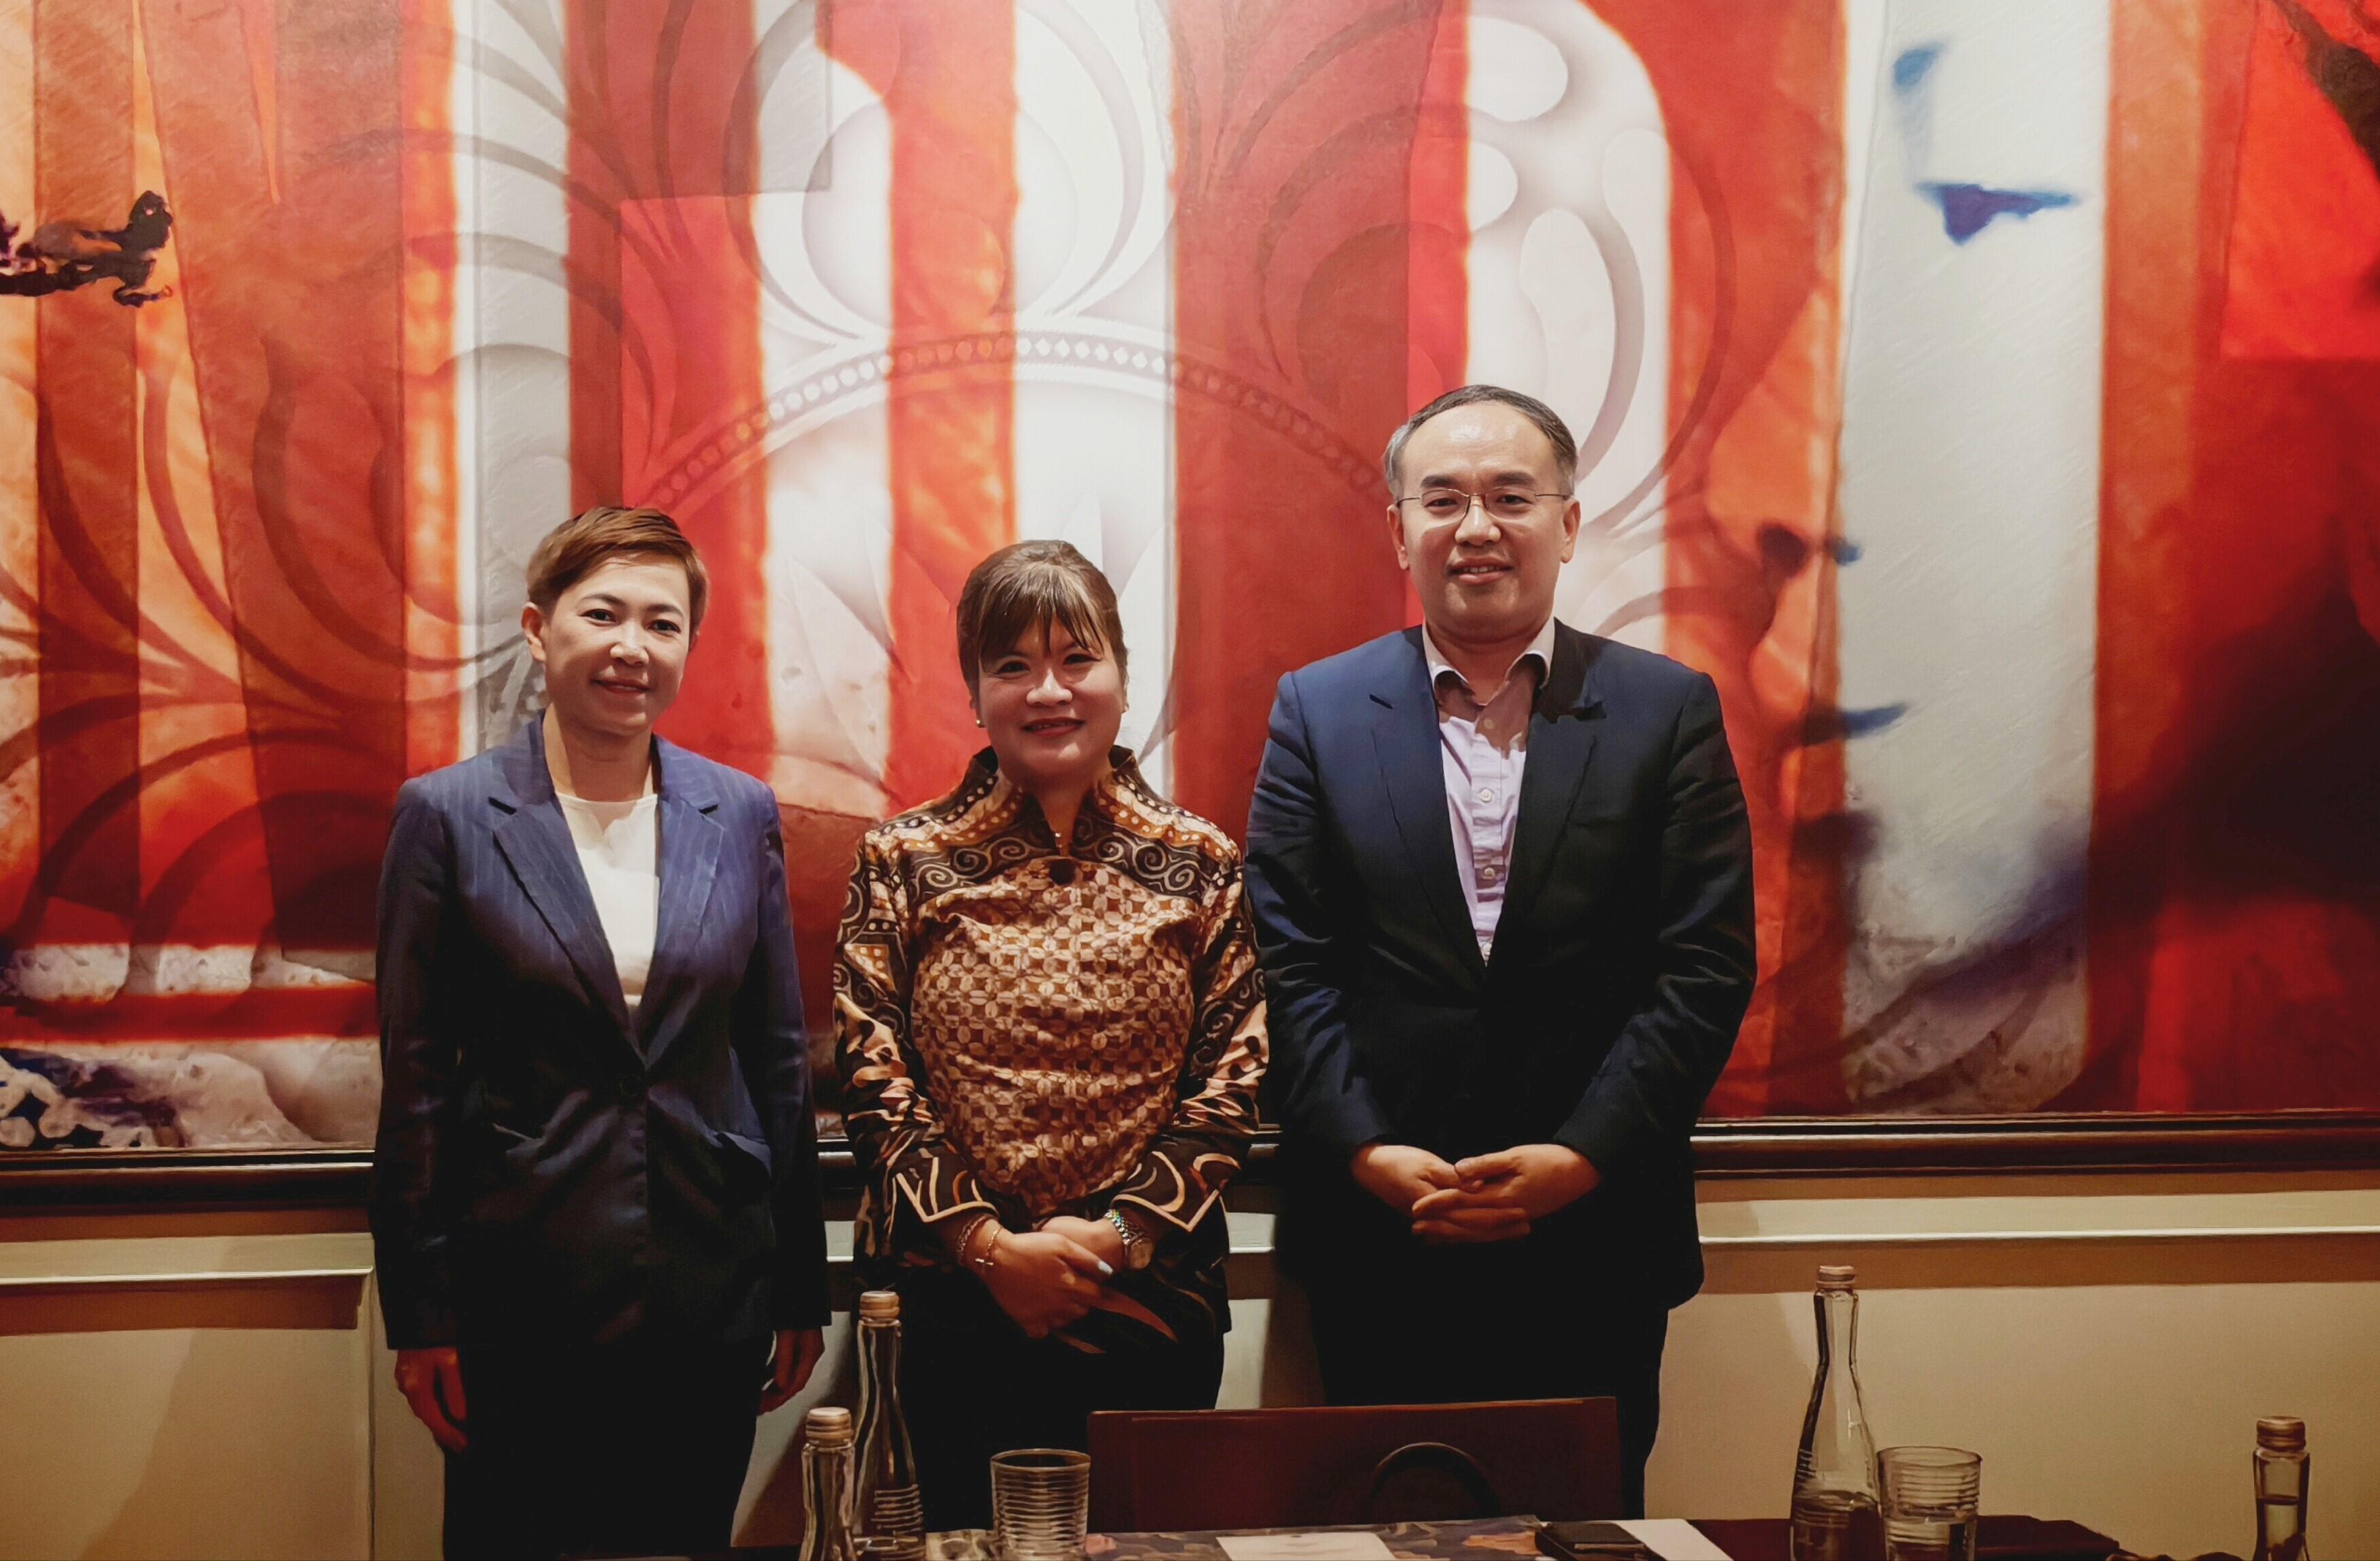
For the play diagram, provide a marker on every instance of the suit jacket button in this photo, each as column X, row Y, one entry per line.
column 632, row 1087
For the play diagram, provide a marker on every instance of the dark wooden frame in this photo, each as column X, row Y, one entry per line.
column 96, row 1181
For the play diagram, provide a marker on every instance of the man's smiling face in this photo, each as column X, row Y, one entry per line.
column 1486, row 556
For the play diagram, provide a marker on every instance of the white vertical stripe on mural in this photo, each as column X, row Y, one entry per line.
column 1863, row 93
column 512, row 329
column 824, row 231
column 1094, row 314
column 1570, row 278
column 1969, row 495
column 20, row 547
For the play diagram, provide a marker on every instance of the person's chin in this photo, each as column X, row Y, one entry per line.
column 1482, row 610
column 1061, row 756
column 614, row 721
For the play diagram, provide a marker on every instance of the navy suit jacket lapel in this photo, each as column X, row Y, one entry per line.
column 1404, row 732
column 535, row 839
column 691, row 843
column 1562, row 742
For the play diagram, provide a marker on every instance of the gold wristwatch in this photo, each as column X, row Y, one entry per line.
column 1138, row 1246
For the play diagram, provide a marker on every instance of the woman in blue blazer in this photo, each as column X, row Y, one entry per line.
column 595, row 1201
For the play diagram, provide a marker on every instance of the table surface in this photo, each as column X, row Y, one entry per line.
column 1744, row 1539
column 1998, row 1538
column 1481, row 1541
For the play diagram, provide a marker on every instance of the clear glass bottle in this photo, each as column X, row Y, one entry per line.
column 826, row 1486
column 885, row 1509
column 2281, row 1470
column 1834, row 1511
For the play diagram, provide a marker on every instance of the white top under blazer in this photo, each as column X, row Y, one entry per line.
column 619, row 850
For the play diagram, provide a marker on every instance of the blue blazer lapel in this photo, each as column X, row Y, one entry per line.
column 535, row 839
column 1562, row 742
column 691, row 838
column 1404, row 734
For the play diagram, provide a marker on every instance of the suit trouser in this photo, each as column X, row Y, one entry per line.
column 633, row 1448
column 973, row 1384
column 1456, row 1324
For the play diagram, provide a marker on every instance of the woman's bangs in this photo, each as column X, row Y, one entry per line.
column 1028, row 604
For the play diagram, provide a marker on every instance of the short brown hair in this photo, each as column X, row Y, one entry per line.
column 1024, row 587
column 573, row 550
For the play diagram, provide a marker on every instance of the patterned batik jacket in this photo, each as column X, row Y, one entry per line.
column 1027, row 1031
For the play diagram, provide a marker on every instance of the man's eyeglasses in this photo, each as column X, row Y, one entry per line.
column 1496, row 504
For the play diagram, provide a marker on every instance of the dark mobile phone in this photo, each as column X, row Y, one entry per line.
column 1591, row 1541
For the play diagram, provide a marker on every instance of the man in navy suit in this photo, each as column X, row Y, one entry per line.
column 1502, row 881
column 594, row 1197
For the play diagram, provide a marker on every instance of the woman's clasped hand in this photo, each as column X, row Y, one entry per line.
column 1043, row 1279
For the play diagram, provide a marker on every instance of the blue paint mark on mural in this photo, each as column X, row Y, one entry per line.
column 1874, row 718
column 1967, row 209
column 1911, row 66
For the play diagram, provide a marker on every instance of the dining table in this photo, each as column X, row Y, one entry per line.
column 1998, row 1538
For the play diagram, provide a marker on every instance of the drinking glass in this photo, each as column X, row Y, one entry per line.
column 1930, row 1496
column 1040, row 1504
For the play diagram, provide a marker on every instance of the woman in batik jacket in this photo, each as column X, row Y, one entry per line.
column 1052, row 1032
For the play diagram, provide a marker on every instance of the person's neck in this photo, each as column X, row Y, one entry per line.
column 1062, row 803
column 1483, row 664
column 597, row 766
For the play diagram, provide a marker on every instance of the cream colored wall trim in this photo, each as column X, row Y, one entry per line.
column 44, row 1284
column 1800, row 1240
column 329, row 1298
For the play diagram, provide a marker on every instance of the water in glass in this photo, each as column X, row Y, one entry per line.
column 1040, row 1504
column 1915, row 1533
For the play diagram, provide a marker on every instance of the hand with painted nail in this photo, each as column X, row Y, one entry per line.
column 1042, row 1279
column 1099, row 1238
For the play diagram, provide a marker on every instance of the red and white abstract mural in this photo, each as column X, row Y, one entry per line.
column 1987, row 396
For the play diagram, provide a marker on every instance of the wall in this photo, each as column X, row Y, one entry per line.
column 199, row 1386
column 1978, row 390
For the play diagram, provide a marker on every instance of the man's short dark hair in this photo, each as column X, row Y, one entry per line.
column 1546, row 421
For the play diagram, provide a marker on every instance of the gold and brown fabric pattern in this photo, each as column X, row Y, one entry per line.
column 1032, row 1031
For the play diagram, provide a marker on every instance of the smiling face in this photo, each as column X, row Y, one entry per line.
column 613, row 648
column 1050, row 704
column 1485, row 571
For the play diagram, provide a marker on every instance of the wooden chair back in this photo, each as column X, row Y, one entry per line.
column 1269, row 1469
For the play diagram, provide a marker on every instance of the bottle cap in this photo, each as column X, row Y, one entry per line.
column 879, row 1306
column 1836, row 1276
column 827, row 1427
column 2281, row 1434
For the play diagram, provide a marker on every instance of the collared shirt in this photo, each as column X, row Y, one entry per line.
column 1483, row 747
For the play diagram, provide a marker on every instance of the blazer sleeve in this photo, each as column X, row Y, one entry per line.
column 411, row 1220
column 774, row 1052
column 922, row 1180
column 1653, row 1082
column 1317, row 1083
column 1182, row 1173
